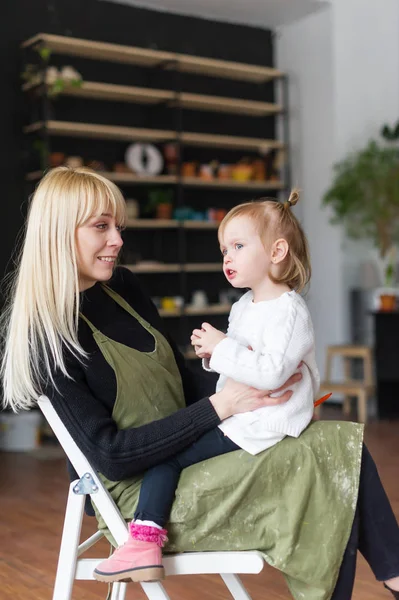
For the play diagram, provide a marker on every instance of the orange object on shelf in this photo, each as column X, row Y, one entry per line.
column 387, row 302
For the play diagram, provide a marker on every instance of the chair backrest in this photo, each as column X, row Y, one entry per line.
column 101, row 498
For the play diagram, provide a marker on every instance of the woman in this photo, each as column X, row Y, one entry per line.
column 123, row 392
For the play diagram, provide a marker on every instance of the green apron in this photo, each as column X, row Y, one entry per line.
column 294, row 502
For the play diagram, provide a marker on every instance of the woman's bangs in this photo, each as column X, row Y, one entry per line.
column 99, row 199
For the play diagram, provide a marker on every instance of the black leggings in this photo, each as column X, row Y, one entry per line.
column 375, row 533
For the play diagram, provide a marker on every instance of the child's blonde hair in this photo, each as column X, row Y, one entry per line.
column 274, row 220
column 41, row 319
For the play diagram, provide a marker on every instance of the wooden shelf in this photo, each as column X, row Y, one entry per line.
column 226, row 69
column 213, row 309
column 97, row 131
column 169, row 224
column 139, row 95
column 229, row 142
column 152, row 224
column 130, row 178
column 232, row 184
column 121, row 93
column 175, row 268
column 69, row 46
column 151, row 58
column 229, row 105
column 116, row 132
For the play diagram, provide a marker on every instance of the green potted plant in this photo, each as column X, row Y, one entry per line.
column 364, row 198
column 160, row 203
column 56, row 80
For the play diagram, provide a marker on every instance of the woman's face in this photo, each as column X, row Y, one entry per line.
column 98, row 243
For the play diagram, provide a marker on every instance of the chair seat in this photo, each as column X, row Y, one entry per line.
column 350, row 350
column 192, row 563
column 346, row 387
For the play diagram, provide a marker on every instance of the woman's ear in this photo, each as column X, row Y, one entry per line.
column 279, row 250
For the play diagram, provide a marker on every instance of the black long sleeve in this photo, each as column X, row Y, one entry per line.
column 85, row 402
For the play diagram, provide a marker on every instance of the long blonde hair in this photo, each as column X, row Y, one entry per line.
column 273, row 220
column 41, row 319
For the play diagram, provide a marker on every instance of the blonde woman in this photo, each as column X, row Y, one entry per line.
column 82, row 331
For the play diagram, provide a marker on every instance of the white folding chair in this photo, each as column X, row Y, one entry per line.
column 71, row 566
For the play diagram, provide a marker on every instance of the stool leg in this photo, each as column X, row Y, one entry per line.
column 362, row 406
column 368, row 369
column 347, row 399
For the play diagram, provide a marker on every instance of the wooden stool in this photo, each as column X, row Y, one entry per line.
column 360, row 388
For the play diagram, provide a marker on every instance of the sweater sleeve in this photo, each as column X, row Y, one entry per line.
column 234, row 312
column 121, row 453
column 284, row 345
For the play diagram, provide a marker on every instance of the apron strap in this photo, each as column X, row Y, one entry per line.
column 89, row 323
column 125, row 305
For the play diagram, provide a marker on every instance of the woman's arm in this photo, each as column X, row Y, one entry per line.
column 121, row 453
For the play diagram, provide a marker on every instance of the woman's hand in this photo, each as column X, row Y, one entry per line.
column 237, row 397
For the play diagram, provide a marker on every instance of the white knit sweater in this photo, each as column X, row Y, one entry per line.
column 280, row 333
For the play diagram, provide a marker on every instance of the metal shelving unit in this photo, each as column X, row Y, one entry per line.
column 178, row 100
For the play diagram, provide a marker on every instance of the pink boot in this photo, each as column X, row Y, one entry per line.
column 139, row 559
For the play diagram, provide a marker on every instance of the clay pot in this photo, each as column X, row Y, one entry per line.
column 259, row 170
column 189, row 169
column 56, row 159
column 164, row 211
column 224, row 172
column 387, row 302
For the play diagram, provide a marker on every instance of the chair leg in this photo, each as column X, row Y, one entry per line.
column 362, row 406
column 69, row 546
column 235, row 586
column 155, row 591
column 118, row 591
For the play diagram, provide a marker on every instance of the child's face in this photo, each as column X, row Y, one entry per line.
column 246, row 263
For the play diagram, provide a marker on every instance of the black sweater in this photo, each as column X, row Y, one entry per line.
column 85, row 403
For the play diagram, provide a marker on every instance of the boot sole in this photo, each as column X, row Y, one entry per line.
column 156, row 573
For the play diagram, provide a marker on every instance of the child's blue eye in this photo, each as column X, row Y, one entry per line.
column 224, row 252
column 239, row 246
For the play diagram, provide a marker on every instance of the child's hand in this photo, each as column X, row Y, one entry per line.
column 204, row 340
column 197, row 349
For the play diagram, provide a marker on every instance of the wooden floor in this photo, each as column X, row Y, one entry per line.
column 32, row 503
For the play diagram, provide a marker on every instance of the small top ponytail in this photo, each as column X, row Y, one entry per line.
column 293, row 199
